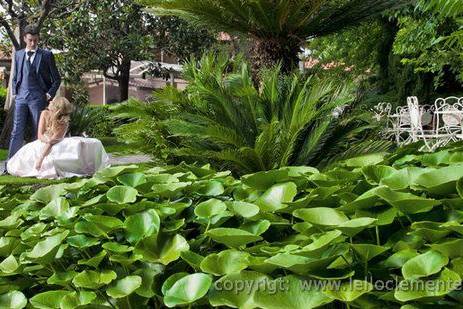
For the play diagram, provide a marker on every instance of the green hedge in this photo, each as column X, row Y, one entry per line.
column 365, row 234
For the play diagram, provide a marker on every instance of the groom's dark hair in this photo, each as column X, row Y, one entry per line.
column 31, row 29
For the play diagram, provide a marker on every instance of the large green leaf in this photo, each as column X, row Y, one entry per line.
column 321, row 216
column 47, row 194
column 124, row 286
column 149, row 274
column 112, row 172
column 142, row 225
column 320, row 241
column 290, row 292
column 300, row 264
column 232, row 291
column 210, row 208
column 398, row 259
column 76, row 299
column 211, row 188
column 132, row 180
column 225, row 262
column 256, row 227
column 116, row 247
column 452, row 248
column 187, row 290
column 365, row 160
column 13, row 300
column 55, row 208
column 98, row 226
column 264, row 180
column 349, row 291
column 367, row 252
column 442, row 180
column 407, row 202
column 9, row 265
column 246, row 210
column 276, row 197
column 45, row 250
column 93, row 280
column 172, row 249
column 232, row 237
column 375, row 173
column 82, row 241
column 447, row 281
column 424, row 265
column 62, row 278
column 355, row 226
column 122, row 194
column 93, row 261
column 49, row 300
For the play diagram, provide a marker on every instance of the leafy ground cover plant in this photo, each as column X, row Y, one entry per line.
column 374, row 231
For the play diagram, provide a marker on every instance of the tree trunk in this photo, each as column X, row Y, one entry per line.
column 9, row 102
column 266, row 53
column 390, row 28
column 124, row 80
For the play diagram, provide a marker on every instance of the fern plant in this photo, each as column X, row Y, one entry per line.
column 223, row 119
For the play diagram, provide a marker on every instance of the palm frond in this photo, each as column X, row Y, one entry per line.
column 448, row 8
column 270, row 19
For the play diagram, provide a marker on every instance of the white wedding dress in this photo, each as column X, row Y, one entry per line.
column 71, row 157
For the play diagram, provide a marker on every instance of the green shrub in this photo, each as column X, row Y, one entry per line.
column 3, row 94
column 93, row 120
column 287, row 238
column 223, row 119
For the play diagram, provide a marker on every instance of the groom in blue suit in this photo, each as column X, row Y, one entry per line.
column 35, row 82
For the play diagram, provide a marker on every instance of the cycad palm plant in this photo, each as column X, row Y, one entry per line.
column 276, row 28
column 453, row 8
column 223, row 119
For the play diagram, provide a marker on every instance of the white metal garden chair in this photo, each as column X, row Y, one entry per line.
column 397, row 122
column 417, row 131
column 448, row 117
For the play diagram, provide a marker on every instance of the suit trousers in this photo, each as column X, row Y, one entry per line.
column 26, row 109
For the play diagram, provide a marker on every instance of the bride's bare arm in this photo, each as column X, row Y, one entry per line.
column 42, row 127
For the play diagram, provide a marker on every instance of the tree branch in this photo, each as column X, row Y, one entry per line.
column 44, row 12
column 60, row 12
column 10, row 9
column 4, row 23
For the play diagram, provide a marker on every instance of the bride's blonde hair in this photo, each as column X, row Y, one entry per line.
column 61, row 110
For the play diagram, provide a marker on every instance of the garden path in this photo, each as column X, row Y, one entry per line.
column 128, row 159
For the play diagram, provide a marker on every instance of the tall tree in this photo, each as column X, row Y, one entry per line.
column 277, row 28
column 14, row 17
column 108, row 35
column 105, row 35
column 17, row 14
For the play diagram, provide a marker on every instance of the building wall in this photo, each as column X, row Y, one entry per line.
column 142, row 92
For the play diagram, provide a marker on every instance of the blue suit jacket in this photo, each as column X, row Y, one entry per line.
column 47, row 71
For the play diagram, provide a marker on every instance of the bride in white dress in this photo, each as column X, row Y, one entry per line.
column 54, row 156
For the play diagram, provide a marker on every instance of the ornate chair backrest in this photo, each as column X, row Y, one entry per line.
column 382, row 110
column 449, row 115
column 415, row 113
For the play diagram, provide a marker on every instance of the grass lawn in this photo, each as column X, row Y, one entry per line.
column 3, row 154
column 20, row 181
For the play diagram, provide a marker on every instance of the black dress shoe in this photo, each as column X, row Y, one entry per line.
column 4, row 169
